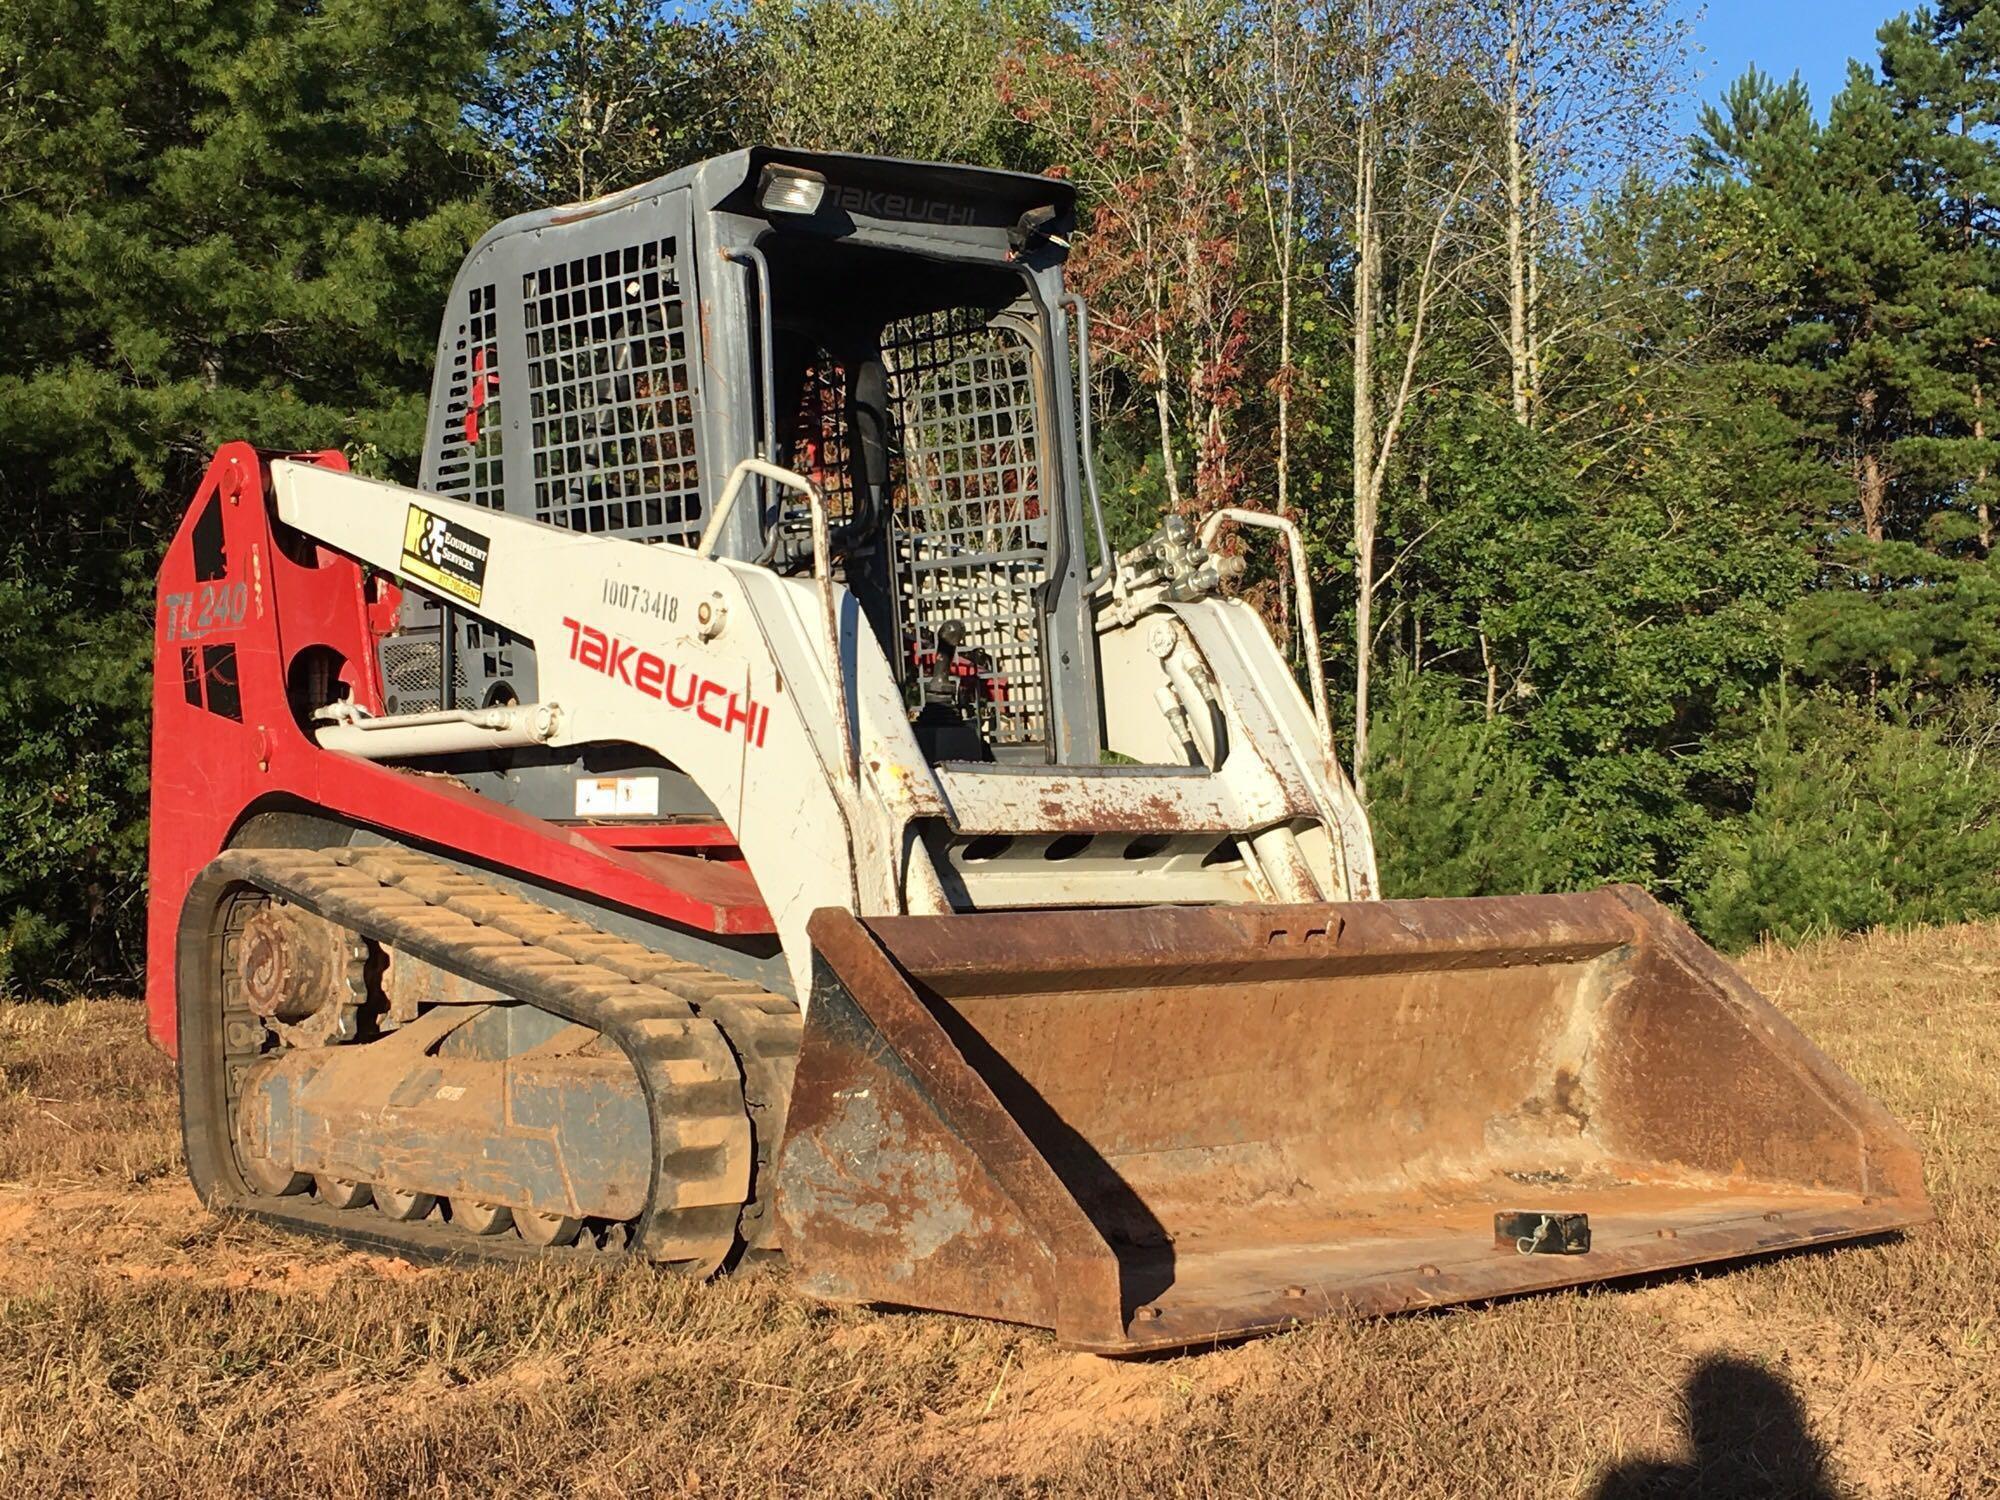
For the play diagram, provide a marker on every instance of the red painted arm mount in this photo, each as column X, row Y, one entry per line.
column 253, row 619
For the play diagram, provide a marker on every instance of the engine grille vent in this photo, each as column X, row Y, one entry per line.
column 410, row 675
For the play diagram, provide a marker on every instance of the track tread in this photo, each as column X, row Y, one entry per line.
column 715, row 1055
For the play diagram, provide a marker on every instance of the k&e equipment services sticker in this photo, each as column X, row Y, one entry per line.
column 444, row 554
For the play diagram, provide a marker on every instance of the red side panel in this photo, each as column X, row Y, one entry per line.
column 239, row 616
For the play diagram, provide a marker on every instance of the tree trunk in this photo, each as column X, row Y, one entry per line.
column 1198, row 279
column 1873, row 487
column 1517, row 227
column 1162, row 404
column 1285, row 398
column 1367, row 264
column 1364, row 634
column 1872, row 484
column 1285, row 258
column 1532, row 321
column 1985, row 473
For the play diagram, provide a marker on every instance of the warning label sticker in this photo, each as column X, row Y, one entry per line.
column 618, row 797
column 444, row 554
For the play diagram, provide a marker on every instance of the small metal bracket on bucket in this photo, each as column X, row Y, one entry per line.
column 1542, row 1233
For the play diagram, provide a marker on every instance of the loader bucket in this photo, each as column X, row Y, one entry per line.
column 1166, row 1126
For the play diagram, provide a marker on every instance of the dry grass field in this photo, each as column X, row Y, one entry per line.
column 149, row 1349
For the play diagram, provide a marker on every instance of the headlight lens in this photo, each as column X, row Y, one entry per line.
column 789, row 190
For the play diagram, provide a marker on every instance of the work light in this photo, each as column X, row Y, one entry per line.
column 789, row 190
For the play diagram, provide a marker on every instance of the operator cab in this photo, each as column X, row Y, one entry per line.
column 913, row 379
column 896, row 332
column 910, row 392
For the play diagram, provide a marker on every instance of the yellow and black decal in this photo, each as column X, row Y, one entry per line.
column 444, row 554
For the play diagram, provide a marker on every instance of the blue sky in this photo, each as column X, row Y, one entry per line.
column 1813, row 37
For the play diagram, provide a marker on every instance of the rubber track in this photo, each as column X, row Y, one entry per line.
column 714, row 1055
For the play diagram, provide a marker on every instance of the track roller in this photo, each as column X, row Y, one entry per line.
column 479, row 1218
column 338, row 1192
column 404, row 1208
column 273, row 1179
column 547, row 1229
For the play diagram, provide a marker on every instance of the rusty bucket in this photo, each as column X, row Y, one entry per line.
column 1160, row 1127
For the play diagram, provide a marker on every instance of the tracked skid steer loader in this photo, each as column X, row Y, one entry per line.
column 739, row 803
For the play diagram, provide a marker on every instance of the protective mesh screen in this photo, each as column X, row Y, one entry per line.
column 468, row 456
column 610, row 395
column 971, row 534
column 820, row 445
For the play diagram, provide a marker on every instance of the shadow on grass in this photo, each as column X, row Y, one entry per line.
column 1748, row 1434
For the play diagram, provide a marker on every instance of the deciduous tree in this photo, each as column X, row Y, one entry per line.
column 597, row 95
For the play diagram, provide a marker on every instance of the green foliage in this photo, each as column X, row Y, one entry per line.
column 1857, row 821
column 1768, row 454
column 72, row 772
column 233, row 224
column 1885, row 357
column 596, row 95
column 1457, row 808
column 1907, row 615
column 914, row 78
column 1614, row 625
column 1129, row 485
column 225, row 219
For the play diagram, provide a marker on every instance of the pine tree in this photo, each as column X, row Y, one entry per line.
column 1942, row 70
column 218, row 219
column 1886, row 358
column 1853, row 354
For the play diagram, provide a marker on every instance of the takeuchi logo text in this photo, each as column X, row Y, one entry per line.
column 876, row 204
column 672, row 684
